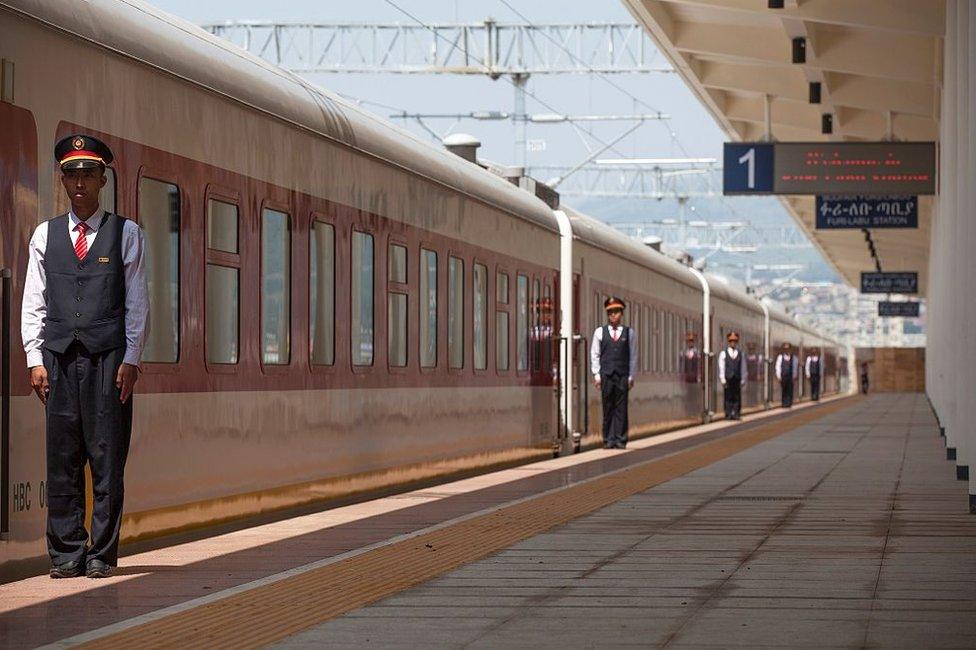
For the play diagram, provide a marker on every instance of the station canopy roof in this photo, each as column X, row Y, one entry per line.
column 879, row 63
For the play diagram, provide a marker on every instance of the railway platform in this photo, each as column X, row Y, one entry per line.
column 832, row 525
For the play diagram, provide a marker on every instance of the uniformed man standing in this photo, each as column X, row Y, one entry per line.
column 732, row 373
column 864, row 378
column 786, row 367
column 813, row 375
column 613, row 362
column 84, row 324
column 690, row 360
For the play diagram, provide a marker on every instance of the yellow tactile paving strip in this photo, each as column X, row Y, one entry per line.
column 271, row 612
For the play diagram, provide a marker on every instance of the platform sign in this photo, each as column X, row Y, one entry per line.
column 846, row 168
column 867, row 212
column 747, row 168
column 894, row 282
column 903, row 309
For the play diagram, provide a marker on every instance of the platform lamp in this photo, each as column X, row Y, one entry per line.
column 826, row 123
column 799, row 50
column 815, row 92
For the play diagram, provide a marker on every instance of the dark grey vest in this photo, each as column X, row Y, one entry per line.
column 615, row 355
column 85, row 299
column 815, row 367
column 786, row 368
column 733, row 367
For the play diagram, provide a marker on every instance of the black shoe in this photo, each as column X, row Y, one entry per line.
column 67, row 570
column 97, row 569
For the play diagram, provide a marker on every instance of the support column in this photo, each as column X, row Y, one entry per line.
column 962, row 339
column 970, row 243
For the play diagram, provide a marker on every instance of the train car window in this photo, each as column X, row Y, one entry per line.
column 535, row 308
column 522, row 323
column 455, row 312
column 501, row 323
column 221, row 226
column 159, row 216
column 397, row 329
column 546, row 327
column 361, row 324
column 222, row 285
column 275, row 288
column 501, row 340
column 648, row 346
column 480, row 338
column 223, row 309
column 322, row 294
column 672, row 330
column 428, row 308
column 659, row 340
column 635, row 325
column 501, row 288
column 398, row 264
column 106, row 195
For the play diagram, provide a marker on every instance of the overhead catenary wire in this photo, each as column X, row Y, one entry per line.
column 666, row 122
column 529, row 93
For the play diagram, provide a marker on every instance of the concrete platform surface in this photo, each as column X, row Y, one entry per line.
column 848, row 531
column 178, row 575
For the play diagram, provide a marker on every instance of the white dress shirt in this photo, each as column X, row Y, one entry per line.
column 615, row 332
column 734, row 353
column 810, row 360
column 34, row 309
column 779, row 366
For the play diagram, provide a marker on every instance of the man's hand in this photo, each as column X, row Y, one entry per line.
column 38, row 381
column 126, row 379
column 597, row 381
column 723, row 382
column 630, row 383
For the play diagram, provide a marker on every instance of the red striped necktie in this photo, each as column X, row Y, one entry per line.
column 81, row 244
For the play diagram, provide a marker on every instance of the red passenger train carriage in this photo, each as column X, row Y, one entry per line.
column 337, row 307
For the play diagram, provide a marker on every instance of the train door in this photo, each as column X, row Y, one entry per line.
column 581, row 372
column 18, row 215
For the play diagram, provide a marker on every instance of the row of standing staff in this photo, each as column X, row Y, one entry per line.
column 613, row 363
column 733, row 374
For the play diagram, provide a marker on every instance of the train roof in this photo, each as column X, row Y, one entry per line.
column 142, row 32
column 596, row 233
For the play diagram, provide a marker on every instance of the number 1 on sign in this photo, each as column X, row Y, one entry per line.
column 749, row 157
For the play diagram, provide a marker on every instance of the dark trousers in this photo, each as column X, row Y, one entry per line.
column 86, row 423
column 815, row 387
column 733, row 398
column 787, row 386
column 614, row 389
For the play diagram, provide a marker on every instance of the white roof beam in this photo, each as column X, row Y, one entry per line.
column 880, row 94
column 921, row 17
column 863, row 53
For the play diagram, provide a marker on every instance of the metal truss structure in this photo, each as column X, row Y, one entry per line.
column 487, row 48
column 729, row 237
column 632, row 181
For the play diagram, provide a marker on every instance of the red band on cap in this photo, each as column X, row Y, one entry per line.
column 82, row 155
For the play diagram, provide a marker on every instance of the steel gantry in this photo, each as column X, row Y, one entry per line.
column 512, row 50
column 486, row 48
column 641, row 181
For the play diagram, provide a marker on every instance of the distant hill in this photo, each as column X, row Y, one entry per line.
column 759, row 211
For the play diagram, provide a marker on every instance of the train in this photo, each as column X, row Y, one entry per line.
column 337, row 307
